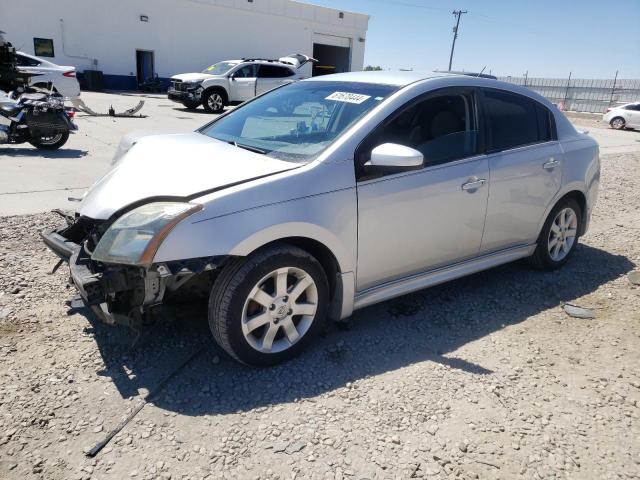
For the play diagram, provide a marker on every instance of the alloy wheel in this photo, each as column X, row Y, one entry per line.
column 562, row 234
column 279, row 310
column 215, row 101
column 617, row 123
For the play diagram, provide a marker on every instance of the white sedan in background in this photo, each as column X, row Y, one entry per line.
column 63, row 77
column 624, row 116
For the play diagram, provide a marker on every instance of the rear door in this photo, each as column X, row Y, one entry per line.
column 242, row 83
column 634, row 115
column 272, row 76
column 525, row 163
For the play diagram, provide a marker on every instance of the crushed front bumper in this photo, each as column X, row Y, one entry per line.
column 124, row 294
column 115, row 293
column 182, row 96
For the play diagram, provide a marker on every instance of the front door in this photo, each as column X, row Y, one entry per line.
column 411, row 222
column 242, row 83
column 525, row 160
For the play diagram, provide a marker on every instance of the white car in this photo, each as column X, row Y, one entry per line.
column 234, row 81
column 63, row 77
column 624, row 116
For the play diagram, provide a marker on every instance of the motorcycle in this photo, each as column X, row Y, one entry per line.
column 37, row 118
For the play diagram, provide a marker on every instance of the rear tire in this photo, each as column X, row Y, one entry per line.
column 50, row 143
column 264, row 309
column 559, row 236
column 617, row 123
column 214, row 101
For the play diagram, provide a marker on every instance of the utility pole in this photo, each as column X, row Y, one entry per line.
column 457, row 13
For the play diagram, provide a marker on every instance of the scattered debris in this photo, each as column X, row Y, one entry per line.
column 131, row 113
column 578, row 312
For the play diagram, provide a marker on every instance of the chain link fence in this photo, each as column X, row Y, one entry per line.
column 580, row 94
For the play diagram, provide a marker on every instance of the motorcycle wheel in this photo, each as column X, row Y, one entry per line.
column 52, row 142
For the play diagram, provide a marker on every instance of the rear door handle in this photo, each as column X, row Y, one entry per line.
column 551, row 164
column 474, row 184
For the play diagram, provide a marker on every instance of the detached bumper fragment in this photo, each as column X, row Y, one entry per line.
column 58, row 244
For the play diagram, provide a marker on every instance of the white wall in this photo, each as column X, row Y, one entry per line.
column 186, row 35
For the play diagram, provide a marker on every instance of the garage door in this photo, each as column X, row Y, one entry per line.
column 333, row 54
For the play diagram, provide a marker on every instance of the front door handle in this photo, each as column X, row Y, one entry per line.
column 551, row 164
column 474, row 184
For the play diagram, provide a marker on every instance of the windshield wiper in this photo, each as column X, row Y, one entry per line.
column 248, row 147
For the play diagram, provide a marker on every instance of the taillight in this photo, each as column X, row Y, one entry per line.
column 70, row 112
column 70, row 74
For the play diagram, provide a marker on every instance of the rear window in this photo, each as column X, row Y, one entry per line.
column 512, row 120
column 271, row 71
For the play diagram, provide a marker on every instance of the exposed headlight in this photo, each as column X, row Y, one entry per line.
column 135, row 237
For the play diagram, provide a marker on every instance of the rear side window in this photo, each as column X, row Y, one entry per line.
column 512, row 120
column 546, row 125
column 22, row 61
column 272, row 71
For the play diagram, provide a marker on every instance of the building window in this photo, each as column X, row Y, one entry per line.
column 43, row 47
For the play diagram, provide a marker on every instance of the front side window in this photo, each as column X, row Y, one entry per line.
column 512, row 120
column 298, row 122
column 43, row 47
column 443, row 127
column 220, row 68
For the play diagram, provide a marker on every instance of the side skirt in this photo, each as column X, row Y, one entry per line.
column 419, row 281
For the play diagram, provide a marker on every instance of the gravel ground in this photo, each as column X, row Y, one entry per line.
column 484, row 377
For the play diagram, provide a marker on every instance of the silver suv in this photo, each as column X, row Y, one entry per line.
column 371, row 186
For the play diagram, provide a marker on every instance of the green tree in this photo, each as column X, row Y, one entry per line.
column 371, row 68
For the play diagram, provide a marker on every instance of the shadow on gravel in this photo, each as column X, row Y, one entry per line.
column 424, row 326
column 34, row 152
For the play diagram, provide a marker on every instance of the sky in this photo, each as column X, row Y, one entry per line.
column 546, row 38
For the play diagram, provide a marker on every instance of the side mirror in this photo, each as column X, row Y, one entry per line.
column 391, row 156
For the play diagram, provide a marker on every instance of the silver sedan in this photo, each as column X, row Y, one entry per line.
column 329, row 195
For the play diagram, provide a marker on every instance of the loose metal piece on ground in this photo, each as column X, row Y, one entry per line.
column 93, row 451
column 578, row 312
column 131, row 113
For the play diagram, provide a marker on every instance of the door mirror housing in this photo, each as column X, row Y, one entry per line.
column 394, row 157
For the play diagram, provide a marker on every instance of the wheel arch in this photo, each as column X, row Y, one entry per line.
column 339, row 271
column 579, row 196
column 217, row 88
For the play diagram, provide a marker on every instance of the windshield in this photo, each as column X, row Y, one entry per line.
column 219, row 68
column 298, row 122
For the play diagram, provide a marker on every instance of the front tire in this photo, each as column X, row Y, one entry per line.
column 559, row 236
column 617, row 123
column 52, row 142
column 214, row 101
column 265, row 309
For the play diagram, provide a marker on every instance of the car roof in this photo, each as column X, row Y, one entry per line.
column 399, row 79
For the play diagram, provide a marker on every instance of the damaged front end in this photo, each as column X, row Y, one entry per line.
column 124, row 292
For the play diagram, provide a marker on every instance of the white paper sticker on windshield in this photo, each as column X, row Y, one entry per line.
column 348, row 97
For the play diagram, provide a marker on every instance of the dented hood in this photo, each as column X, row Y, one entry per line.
column 175, row 166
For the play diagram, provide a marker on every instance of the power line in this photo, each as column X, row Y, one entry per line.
column 457, row 13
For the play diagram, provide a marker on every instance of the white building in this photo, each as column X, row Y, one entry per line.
column 129, row 40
